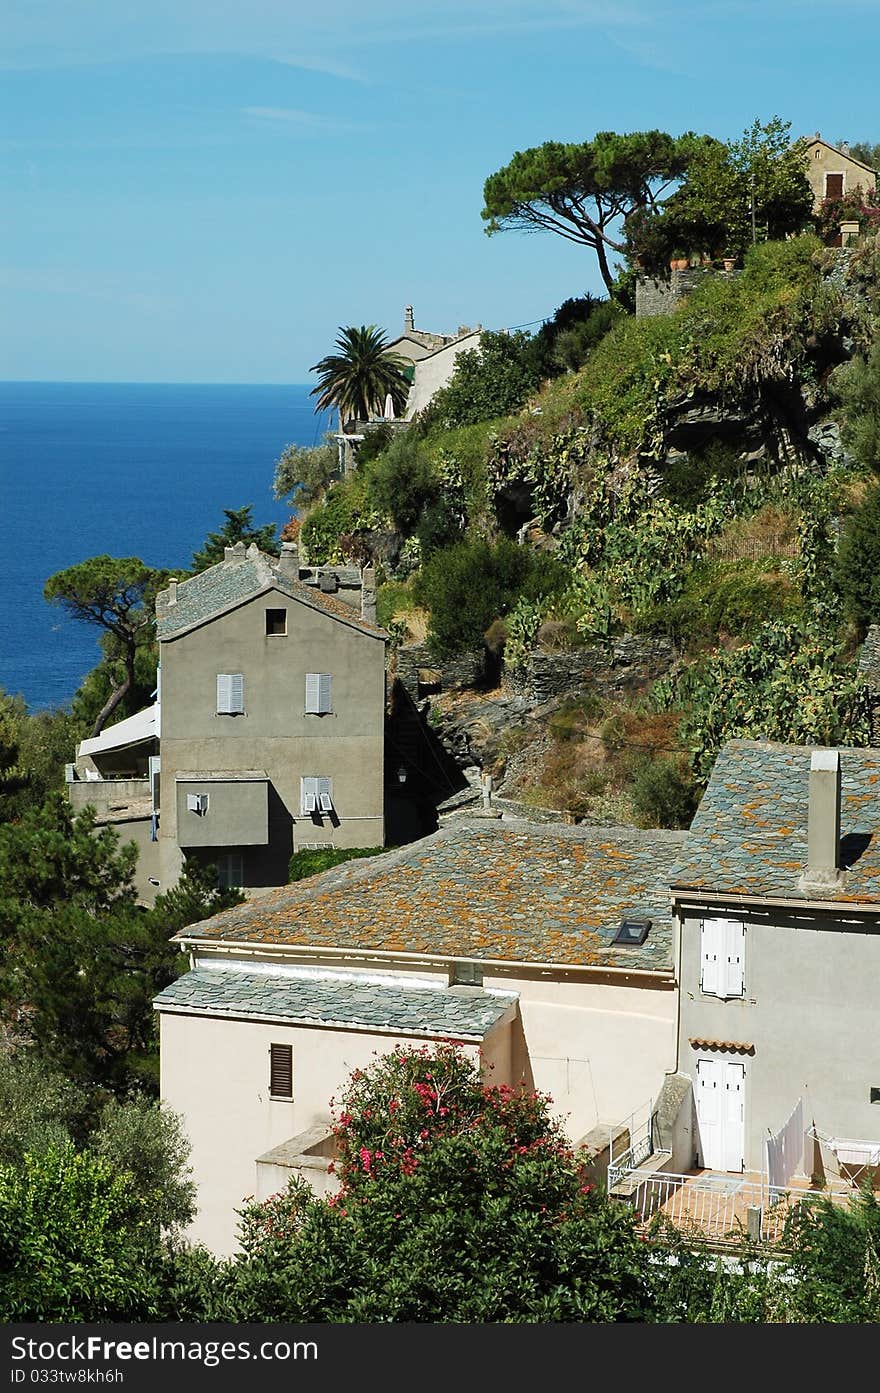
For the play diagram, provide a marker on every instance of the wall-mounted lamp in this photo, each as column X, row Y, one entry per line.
column 401, row 775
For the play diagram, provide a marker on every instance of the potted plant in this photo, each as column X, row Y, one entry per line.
column 679, row 261
column 728, row 260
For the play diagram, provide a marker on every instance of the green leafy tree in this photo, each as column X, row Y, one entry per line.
column 865, row 151
column 358, row 378
column 858, row 385
column 72, row 1240
column 858, row 562
column 82, row 960
column 238, row 527
column 39, row 1106
column 142, row 1137
column 489, row 381
column 304, row 473
column 117, row 595
column 587, row 193
column 458, row 1202
column 711, row 212
column 403, row 481
column 468, row 585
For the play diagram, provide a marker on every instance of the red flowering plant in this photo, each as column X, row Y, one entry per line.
column 392, row 1111
column 854, row 206
column 459, row 1201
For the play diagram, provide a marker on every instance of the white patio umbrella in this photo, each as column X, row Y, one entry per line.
column 388, row 413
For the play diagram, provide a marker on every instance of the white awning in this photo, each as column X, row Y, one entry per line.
column 134, row 730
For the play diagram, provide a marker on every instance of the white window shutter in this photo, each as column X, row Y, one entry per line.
column 734, row 943
column 230, row 693
column 711, row 949
column 318, row 693
column 325, row 800
column 308, row 795
column 192, row 802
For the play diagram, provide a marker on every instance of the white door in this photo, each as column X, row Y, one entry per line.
column 720, row 1113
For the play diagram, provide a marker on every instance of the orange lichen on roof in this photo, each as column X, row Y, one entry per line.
column 509, row 892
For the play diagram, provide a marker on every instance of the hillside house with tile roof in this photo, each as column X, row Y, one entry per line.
column 778, row 897
column 503, row 936
column 268, row 731
column 833, row 172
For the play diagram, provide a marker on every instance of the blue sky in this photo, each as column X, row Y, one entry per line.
column 204, row 190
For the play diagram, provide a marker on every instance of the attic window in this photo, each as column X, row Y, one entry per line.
column 276, row 623
column 632, row 932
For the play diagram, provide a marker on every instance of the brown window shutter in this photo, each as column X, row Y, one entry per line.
column 834, row 186
column 281, row 1071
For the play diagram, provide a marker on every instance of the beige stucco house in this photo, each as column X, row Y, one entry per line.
column 833, row 172
column 268, row 731
column 547, row 952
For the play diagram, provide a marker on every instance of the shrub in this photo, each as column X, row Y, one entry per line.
column 858, row 562
column 662, row 794
column 401, row 481
column 312, row 860
column 468, row 585
column 490, row 381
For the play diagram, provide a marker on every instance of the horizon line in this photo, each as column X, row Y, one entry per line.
column 137, row 382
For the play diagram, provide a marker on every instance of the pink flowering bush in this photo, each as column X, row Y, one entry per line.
column 458, row 1201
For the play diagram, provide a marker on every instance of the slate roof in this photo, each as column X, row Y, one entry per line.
column 749, row 836
column 483, row 890
column 448, row 1012
column 231, row 582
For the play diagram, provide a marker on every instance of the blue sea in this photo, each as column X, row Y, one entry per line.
column 130, row 469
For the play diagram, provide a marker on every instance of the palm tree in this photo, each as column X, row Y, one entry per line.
column 361, row 375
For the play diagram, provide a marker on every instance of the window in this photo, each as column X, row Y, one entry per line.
column 276, row 622
column 230, row 870
column 197, row 803
column 721, row 958
column 834, row 186
column 230, row 694
column 631, row 933
column 318, row 693
column 281, row 1071
column 315, row 795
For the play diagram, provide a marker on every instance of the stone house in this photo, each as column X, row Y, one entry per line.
column 268, row 731
column 547, row 952
column 833, row 172
column 778, row 897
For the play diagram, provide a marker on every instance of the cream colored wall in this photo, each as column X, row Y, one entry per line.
column 434, row 372
column 275, row 733
column 215, row 1074
column 599, row 1047
column 822, row 160
column 599, row 1044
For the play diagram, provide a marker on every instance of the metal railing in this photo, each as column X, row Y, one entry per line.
column 723, row 1207
column 639, row 1131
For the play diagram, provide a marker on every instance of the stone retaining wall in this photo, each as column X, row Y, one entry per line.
column 631, row 663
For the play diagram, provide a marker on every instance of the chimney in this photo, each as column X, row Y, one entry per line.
column 236, row 553
column 172, row 592
column 408, row 318
column 288, row 561
column 823, row 822
column 844, row 147
column 368, row 594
